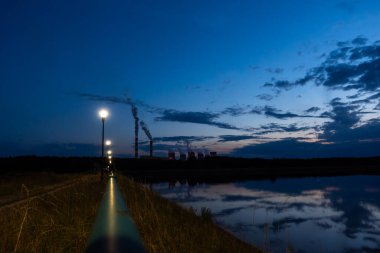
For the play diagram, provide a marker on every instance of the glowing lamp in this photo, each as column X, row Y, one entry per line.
column 103, row 113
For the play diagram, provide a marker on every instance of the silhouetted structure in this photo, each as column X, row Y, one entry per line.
column 171, row 155
column 182, row 157
column 213, row 154
column 191, row 156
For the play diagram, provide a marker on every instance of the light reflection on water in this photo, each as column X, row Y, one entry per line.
column 329, row 214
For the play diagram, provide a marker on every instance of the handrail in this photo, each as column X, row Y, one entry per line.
column 114, row 230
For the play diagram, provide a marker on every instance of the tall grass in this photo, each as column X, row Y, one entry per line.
column 166, row 227
column 11, row 185
column 56, row 222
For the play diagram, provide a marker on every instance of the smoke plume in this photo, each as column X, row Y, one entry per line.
column 146, row 130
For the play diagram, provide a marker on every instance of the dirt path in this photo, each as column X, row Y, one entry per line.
column 51, row 189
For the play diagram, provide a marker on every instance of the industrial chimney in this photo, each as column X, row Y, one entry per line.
column 134, row 113
column 147, row 132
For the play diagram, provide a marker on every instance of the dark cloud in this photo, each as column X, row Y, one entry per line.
column 275, row 128
column 312, row 109
column 341, row 44
column 359, row 41
column 206, row 118
column 344, row 117
column 369, row 99
column 354, row 67
column 280, row 84
column 292, row 148
column 159, row 147
column 181, row 138
column 278, row 114
column 266, row 97
column 235, row 110
column 228, row 138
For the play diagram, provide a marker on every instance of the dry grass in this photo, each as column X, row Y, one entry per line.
column 12, row 185
column 56, row 222
column 166, row 227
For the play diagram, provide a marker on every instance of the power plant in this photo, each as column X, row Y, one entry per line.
column 190, row 155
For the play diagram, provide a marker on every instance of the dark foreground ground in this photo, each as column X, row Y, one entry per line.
column 216, row 169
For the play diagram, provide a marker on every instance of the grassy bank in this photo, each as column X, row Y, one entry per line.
column 17, row 186
column 166, row 227
column 56, row 222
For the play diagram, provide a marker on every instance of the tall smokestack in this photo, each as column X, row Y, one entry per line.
column 134, row 113
column 151, row 148
column 147, row 132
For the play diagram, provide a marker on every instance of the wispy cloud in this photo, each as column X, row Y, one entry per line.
column 205, row 118
column 279, row 114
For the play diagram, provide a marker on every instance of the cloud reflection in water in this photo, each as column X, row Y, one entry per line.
column 332, row 214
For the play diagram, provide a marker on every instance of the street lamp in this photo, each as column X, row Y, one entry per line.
column 103, row 115
column 109, row 152
column 108, row 143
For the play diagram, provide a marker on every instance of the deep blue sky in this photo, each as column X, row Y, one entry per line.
column 244, row 78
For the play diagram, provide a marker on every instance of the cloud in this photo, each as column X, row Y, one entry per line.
column 229, row 138
column 359, row 41
column 181, row 138
column 280, row 84
column 205, row 118
column 266, row 97
column 278, row 114
column 352, row 66
column 312, row 109
column 291, row 128
column 292, row 148
column 270, row 111
column 235, row 110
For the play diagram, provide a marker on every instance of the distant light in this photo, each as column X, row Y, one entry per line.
column 109, row 157
column 109, row 152
column 108, row 142
column 103, row 113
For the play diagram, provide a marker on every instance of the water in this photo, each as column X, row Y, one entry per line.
column 328, row 214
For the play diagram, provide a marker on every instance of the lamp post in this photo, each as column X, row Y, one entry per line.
column 103, row 115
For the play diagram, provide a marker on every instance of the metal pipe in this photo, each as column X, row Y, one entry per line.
column 114, row 230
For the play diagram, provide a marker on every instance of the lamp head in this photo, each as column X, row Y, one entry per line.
column 103, row 113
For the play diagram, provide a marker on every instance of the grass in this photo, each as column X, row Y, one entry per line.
column 56, row 222
column 166, row 227
column 15, row 186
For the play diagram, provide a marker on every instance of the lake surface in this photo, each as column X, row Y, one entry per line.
column 327, row 214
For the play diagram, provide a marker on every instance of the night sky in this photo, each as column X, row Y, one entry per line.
column 251, row 78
